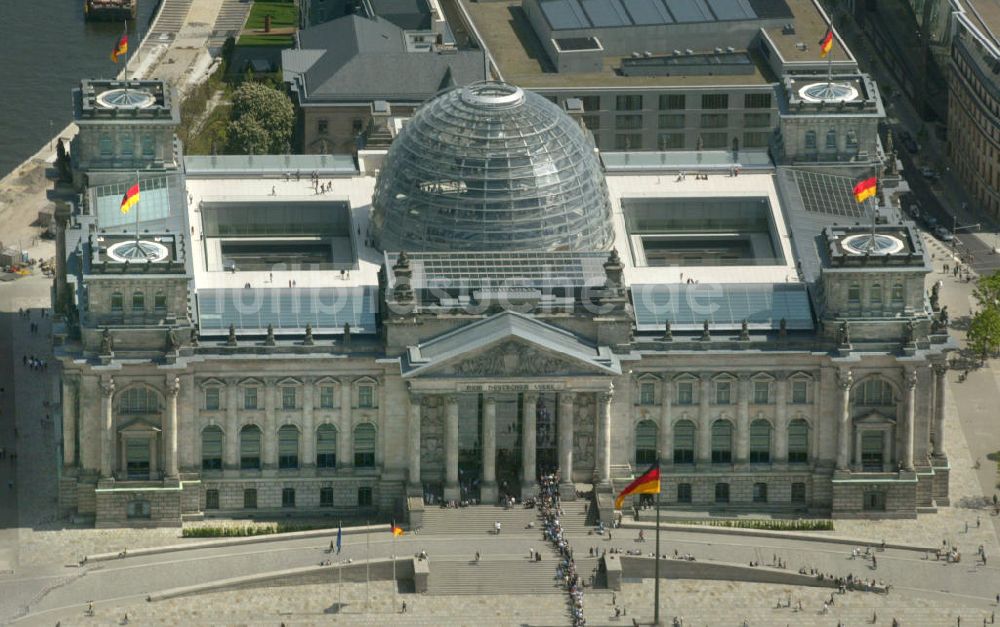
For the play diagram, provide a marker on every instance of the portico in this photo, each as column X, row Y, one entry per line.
column 503, row 398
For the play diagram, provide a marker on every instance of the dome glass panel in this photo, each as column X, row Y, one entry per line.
column 492, row 167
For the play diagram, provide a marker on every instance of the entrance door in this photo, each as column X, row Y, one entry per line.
column 871, row 451
column 874, row 502
column 546, row 435
column 470, row 444
column 509, row 444
column 137, row 458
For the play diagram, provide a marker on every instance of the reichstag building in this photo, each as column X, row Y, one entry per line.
column 487, row 300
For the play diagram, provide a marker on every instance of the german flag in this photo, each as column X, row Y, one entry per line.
column 826, row 44
column 865, row 188
column 131, row 198
column 120, row 48
column 397, row 530
column 646, row 483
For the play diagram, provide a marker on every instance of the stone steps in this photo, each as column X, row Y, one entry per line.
column 169, row 21
column 479, row 519
column 232, row 17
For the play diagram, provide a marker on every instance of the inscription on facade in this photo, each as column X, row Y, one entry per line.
column 510, row 387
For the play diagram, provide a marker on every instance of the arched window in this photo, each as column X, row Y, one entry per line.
column 831, row 139
column 798, row 441
column 760, row 442
column 875, row 392
column 722, row 442
column 810, row 140
column 250, row 448
column 138, row 301
column 364, row 445
column 138, row 400
column 288, row 447
column 211, row 448
column 117, row 302
column 852, row 140
column 875, row 294
column 326, row 446
column 645, row 442
column 684, row 442
column 854, row 294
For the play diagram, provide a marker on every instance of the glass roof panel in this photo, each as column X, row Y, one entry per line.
column 287, row 309
column 725, row 306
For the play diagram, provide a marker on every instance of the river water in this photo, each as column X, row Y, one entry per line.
column 45, row 49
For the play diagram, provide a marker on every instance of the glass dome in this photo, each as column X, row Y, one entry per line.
column 491, row 167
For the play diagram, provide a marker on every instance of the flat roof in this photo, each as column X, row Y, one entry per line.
column 670, row 186
column 810, row 26
column 523, row 61
column 985, row 14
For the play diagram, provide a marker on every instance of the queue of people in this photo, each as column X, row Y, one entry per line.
column 547, row 503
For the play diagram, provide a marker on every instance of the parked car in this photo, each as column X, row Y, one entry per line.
column 943, row 234
column 929, row 173
column 908, row 142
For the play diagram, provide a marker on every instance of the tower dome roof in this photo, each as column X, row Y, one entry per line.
column 492, row 167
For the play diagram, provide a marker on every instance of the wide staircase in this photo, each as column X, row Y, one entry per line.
column 479, row 519
column 495, row 575
column 169, row 21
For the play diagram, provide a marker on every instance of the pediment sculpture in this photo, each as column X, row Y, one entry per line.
column 512, row 359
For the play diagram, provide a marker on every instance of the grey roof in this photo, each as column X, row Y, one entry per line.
column 357, row 58
column 474, row 337
column 408, row 14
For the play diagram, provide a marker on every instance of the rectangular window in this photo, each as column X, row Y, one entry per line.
column 722, row 493
column 116, row 302
column 647, row 393
column 366, row 396
column 854, row 294
column 715, row 101
column 714, row 141
column 684, row 443
column 760, row 493
column 683, row 492
column 672, row 102
column 250, row 398
column 128, row 146
column 670, row 141
column 288, row 397
column 798, row 492
column 250, row 498
column 714, row 120
column 628, row 103
column 211, row 449
column 212, row 399
column 326, row 397
column 800, row 392
column 592, row 122
column 288, row 448
column 288, row 497
column 756, row 140
column 147, row 145
column 326, row 497
column 761, row 392
column 685, row 393
column 211, row 499
column 756, row 120
column 756, row 101
column 364, row 448
column 671, row 120
column 322, row 126
column 630, row 141
column 160, row 302
column 106, row 147
column 630, row 122
column 591, row 103
column 364, row 497
column 723, row 393
column 326, row 447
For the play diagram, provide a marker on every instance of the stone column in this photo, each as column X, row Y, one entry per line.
column 781, row 421
column 844, row 382
column 910, row 382
column 231, row 452
column 704, row 436
column 565, row 427
column 940, row 399
column 107, row 433
column 488, row 492
column 270, row 425
column 886, row 451
column 345, row 434
column 153, row 457
column 528, row 444
column 665, row 445
column 170, row 428
column 743, row 422
column 69, row 399
column 414, row 486
column 604, row 431
column 451, row 487
column 857, row 450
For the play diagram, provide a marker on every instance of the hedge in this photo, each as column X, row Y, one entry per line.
column 764, row 524
column 243, row 531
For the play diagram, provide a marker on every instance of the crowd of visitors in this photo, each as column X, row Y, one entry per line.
column 549, row 510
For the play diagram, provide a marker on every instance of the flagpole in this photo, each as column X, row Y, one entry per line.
column 137, row 209
column 340, row 572
column 656, row 568
column 367, row 559
column 394, row 585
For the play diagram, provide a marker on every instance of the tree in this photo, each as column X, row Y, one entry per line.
column 988, row 290
column 984, row 332
column 261, row 120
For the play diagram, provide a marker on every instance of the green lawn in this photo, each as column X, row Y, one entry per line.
column 283, row 15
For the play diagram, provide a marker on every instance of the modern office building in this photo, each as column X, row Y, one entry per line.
column 498, row 301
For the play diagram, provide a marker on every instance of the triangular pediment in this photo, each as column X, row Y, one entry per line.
column 874, row 418
column 509, row 344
